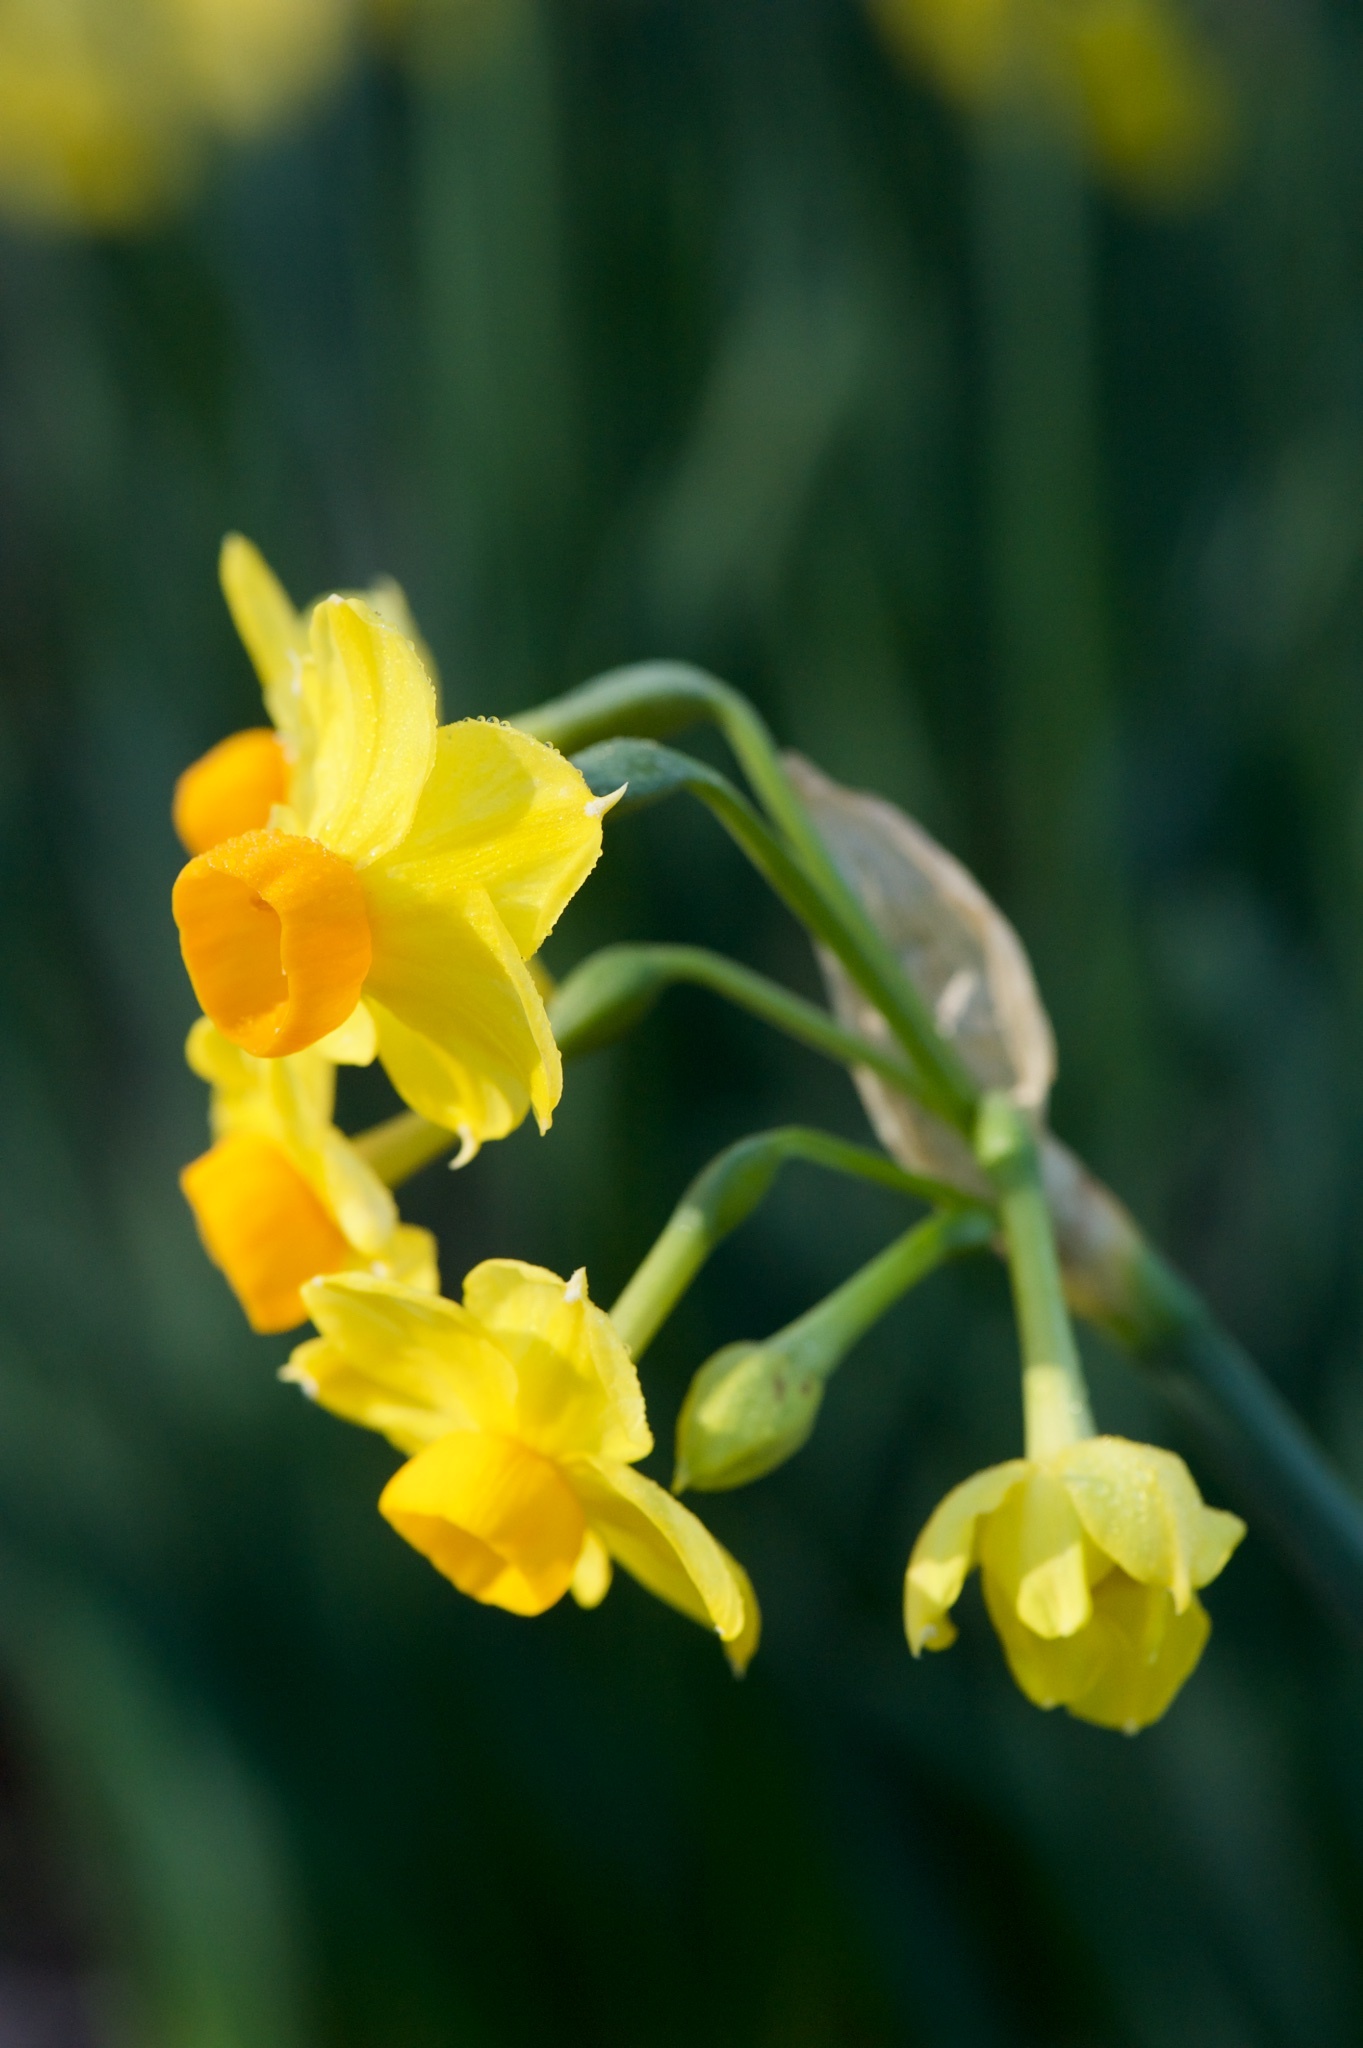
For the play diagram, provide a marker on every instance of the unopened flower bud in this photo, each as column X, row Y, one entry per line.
column 749, row 1408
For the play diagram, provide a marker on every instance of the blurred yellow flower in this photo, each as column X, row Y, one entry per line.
column 405, row 881
column 1090, row 1560
column 282, row 1195
column 106, row 105
column 1132, row 79
column 524, row 1417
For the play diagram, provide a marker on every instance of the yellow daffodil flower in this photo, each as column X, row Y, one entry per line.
column 1091, row 1559
column 399, row 890
column 524, row 1417
column 281, row 1195
column 1132, row 78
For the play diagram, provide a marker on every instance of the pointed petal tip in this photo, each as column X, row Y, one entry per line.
column 599, row 805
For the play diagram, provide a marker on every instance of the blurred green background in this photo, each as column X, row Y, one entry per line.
column 704, row 328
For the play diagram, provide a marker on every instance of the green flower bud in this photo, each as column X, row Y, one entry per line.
column 747, row 1410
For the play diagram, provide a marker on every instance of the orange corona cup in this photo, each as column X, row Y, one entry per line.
column 231, row 789
column 263, row 1226
column 275, row 936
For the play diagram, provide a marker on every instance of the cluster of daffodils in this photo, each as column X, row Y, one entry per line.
column 365, row 883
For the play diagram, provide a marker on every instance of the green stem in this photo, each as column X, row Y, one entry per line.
column 1054, row 1396
column 721, row 1197
column 820, row 1339
column 612, row 991
column 658, row 698
column 752, row 1406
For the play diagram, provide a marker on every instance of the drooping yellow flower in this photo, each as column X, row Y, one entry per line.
column 524, row 1417
column 403, row 885
column 282, row 1195
column 1132, row 78
column 1091, row 1560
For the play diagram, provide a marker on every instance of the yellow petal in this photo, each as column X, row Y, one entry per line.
column 271, row 630
column 501, row 1522
column 665, row 1547
column 352, row 1044
column 231, row 789
column 945, row 1552
column 579, row 1392
column 388, row 598
column 1219, row 1535
column 462, row 1029
column 363, row 1207
column 1051, row 1671
column 1141, row 1506
column 327, row 1377
column 372, row 706
column 275, row 938
column 592, row 1573
column 1149, row 1648
column 1033, row 1546
column 506, row 814
column 409, row 1257
column 263, row 1225
column 418, row 1349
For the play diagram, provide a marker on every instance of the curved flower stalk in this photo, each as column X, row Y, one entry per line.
column 399, row 889
column 1132, row 79
column 1091, row 1561
column 282, row 1195
column 524, row 1418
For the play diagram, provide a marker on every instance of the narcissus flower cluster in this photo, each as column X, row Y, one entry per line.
column 366, row 882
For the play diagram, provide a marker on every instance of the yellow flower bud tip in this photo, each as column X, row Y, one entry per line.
column 230, row 790
column 263, row 1225
column 275, row 938
column 524, row 1416
column 1091, row 1561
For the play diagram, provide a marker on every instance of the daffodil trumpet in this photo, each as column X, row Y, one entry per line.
column 282, row 1195
column 522, row 1416
column 392, row 899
